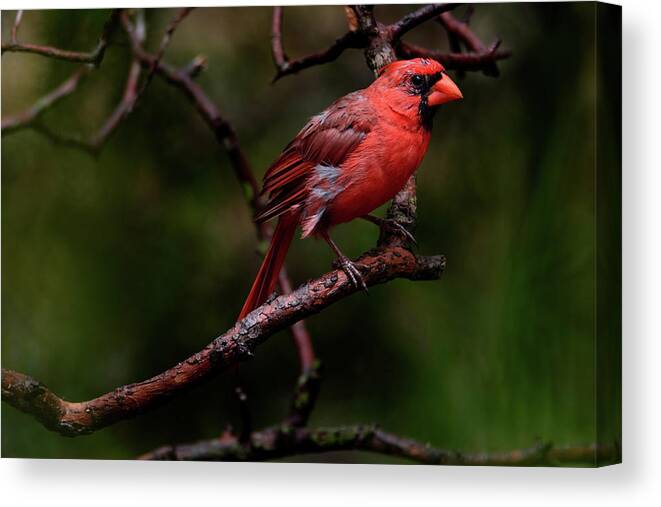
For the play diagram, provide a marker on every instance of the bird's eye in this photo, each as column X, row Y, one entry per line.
column 417, row 80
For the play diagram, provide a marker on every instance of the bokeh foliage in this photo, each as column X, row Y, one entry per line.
column 114, row 269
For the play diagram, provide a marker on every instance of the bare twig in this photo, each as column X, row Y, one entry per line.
column 14, row 28
column 66, row 140
column 195, row 67
column 129, row 97
column 170, row 29
column 455, row 61
column 30, row 117
column 93, row 57
column 459, row 31
column 207, row 110
column 34, row 112
column 382, row 42
column 285, row 66
column 277, row 48
column 274, row 443
column 416, row 18
column 122, row 109
column 305, row 396
column 165, row 41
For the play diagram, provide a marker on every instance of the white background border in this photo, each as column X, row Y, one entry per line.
column 101, row 483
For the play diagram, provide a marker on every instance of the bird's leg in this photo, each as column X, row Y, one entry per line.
column 392, row 225
column 345, row 263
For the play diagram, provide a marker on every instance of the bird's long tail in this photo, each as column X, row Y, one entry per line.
column 269, row 271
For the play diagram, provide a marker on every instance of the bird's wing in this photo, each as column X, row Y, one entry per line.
column 327, row 140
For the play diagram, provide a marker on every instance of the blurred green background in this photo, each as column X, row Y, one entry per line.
column 114, row 269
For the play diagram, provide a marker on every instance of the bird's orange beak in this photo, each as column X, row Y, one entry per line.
column 445, row 90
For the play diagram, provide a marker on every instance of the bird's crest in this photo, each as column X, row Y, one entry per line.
column 416, row 66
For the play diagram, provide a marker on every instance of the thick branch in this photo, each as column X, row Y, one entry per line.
column 237, row 344
column 94, row 57
column 277, row 442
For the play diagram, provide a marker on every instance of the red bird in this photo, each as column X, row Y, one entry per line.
column 349, row 160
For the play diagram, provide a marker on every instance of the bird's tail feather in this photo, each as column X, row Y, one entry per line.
column 269, row 271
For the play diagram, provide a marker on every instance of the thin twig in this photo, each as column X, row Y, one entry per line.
column 460, row 31
column 121, row 110
column 277, row 48
column 93, row 57
column 284, row 66
column 165, row 41
column 274, row 443
column 125, row 106
column 455, row 61
column 305, row 396
column 33, row 113
column 31, row 117
column 416, row 18
column 14, row 28
column 66, row 140
column 207, row 110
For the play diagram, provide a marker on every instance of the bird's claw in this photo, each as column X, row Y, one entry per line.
column 394, row 226
column 352, row 272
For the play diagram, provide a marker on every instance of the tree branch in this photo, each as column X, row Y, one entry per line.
column 460, row 31
column 456, row 61
column 93, row 57
column 305, row 396
column 165, row 41
column 284, row 66
column 277, row 442
column 416, row 18
column 235, row 345
column 382, row 43
column 30, row 117
column 207, row 110
column 14, row 28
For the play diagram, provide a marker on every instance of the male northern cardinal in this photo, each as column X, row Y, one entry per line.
column 349, row 160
